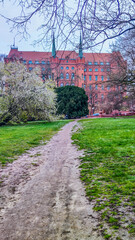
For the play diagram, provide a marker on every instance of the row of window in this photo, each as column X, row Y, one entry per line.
column 96, row 77
column 90, row 77
column 96, row 96
column 67, row 68
column 96, row 69
column 100, row 63
column 90, row 69
column 67, row 76
column 62, row 84
column 96, row 87
column 35, row 62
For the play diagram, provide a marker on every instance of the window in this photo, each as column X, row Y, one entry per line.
column 102, row 78
column 108, row 87
column 30, row 62
column 96, row 86
column 84, row 86
column 96, row 96
column 108, row 69
column 30, row 68
column 90, row 69
column 61, row 67
column 49, row 76
column 43, row 69
column 101, row 63
column 90, row 87
column 36, row 62
column 67, row 68
column 107, row 63
column 84, row 77
column 95, row 63
column 72, row 76
column 108, row 78
column 61, row 84
column 89, row 63
column 96, row 69
column 24, row 61
column 42, row 62
column 67, row 84
column 67, row 75
column 90, row 77
column 73, row 68
column 72, row 84
column 102, row 87
column 96, row 78
column 102, row 70
column 48, row 62
column 61, row 76
column 43, row 77
column 85, row 69
column 102, row 96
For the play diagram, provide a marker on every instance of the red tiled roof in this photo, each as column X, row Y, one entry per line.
column 97, row 57
column 32, row 55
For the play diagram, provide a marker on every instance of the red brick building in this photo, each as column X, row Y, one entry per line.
column 90, row 71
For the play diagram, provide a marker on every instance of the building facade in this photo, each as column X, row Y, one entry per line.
column 90, row 71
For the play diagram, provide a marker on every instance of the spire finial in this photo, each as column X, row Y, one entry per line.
column 80, row 47
column 53, row 47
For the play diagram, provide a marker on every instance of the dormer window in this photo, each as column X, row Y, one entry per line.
column 36, row 62
column 43, row 62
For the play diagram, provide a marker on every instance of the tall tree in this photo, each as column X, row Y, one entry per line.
column 72, row 101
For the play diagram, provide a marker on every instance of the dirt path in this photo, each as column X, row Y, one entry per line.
column 44, row 197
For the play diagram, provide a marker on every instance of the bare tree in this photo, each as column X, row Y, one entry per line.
column 98, row 20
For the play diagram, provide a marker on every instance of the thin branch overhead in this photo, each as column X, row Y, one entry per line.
column 97, row 20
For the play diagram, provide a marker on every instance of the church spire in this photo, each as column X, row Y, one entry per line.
column 80, row 48
column 53, row 47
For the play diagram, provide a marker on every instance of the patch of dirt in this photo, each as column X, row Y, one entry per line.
column 42, row 197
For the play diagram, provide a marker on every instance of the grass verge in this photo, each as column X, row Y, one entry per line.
column 108, row 170
column 15, row 140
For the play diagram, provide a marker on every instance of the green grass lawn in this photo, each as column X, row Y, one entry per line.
column 15, row 140
column 108, row 170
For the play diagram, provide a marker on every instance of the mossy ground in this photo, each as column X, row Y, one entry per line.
column 108, row 170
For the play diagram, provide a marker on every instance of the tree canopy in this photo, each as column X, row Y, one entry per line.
column 24, row 96
column 72, row 101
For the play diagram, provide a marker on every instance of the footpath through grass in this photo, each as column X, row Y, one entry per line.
column 15, row 140
column 108, row 170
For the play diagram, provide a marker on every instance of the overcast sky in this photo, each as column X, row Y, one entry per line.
column 7, row 35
